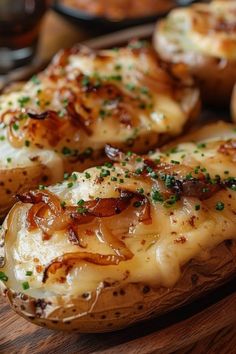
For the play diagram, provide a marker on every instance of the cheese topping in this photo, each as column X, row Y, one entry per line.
column 174, row 205
column 209, row 29
column 63, row 117
column 97, row 98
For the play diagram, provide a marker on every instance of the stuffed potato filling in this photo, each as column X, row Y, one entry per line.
column 62, row 118
column 134, row 219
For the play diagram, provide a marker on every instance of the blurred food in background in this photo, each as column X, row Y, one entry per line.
column 117, row 10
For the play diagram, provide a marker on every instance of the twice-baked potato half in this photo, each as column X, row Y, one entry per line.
column 126, row 241
column 203, row 36
column 62, row 118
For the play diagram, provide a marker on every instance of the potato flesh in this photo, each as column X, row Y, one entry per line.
column 158, row 251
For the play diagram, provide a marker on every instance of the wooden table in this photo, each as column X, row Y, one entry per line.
column 18, row 336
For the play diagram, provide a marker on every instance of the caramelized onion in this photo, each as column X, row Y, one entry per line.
column 32, row 214
column 108, row 206
column 74, row 237
column 48, row 215
column 77, row 118
column 145, row 214
column 159, row 84
column 118, row 246
column 69, row 260
column 38, row 116
column 42, row 196
column 199, row 189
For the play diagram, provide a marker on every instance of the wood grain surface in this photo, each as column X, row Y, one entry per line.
column 207, row 331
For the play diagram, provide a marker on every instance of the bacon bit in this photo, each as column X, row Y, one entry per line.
column 181, row 240
column 69, row 260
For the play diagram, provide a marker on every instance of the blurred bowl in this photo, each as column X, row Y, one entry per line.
column 102, row 23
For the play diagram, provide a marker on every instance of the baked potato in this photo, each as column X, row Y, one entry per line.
column 203, row 36
column 125, row 241
column 61, row 119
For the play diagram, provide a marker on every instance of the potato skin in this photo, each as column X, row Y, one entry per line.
column 18, row 180
column 115, row 306
column 214, row 76
column 139, row 134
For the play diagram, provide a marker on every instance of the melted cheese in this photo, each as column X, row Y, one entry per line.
column 132, row 101
column 209, row 29
column 175, row 236
column 138, row 81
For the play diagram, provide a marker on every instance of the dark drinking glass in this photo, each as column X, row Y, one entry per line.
column 19, row 31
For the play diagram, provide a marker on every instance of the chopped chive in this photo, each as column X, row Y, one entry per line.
column 80, row 202
column 220, row 206
column 25, row 285
column 3, row 276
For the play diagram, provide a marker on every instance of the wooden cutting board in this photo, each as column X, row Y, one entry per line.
column 186, row 327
